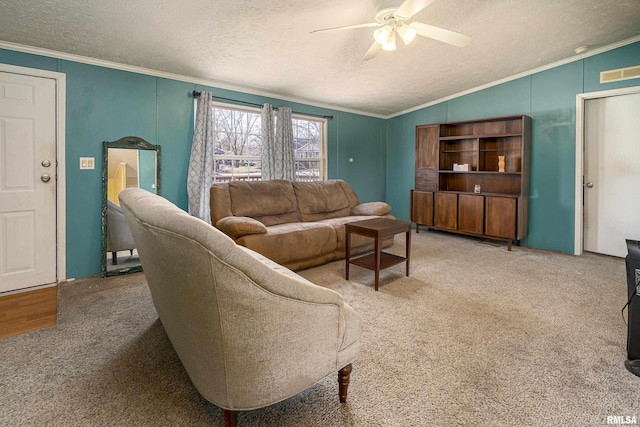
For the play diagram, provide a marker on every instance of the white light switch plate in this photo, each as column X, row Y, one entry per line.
column 87, row 163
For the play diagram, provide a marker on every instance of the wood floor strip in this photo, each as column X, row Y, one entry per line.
column 28, row 311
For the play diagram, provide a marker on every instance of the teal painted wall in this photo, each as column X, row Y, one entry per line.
column 626, row 56
column 553, row 148
column 27, row 60
column 175, row 122
column 507, row 99
column 549, row 97
column 362, row 143
column 104, row 104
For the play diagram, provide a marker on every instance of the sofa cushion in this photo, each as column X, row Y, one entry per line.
column 319, row 200
column 285, row 243
column 270, row 202
column 238, row 226
column 371, row 208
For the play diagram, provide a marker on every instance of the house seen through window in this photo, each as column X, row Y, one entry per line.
column 238, row 145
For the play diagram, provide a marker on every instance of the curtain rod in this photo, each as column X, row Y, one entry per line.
column 196, row 94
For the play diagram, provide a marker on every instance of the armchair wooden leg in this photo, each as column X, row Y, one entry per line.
column 114, row 258
column 230, row 418
column 343, row 382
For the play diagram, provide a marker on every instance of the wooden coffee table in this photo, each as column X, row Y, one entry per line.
column 378, row 229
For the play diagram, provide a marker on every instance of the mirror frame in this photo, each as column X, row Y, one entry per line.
column 131, row 143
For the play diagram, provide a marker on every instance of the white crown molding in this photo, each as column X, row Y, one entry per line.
column 171, row 76
column 519, row 75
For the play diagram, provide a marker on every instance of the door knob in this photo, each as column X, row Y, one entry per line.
column 45, row 177
column 46, row 163
column 589, row 185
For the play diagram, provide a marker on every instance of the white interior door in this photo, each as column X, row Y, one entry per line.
column 611, row 173
column 27, row 197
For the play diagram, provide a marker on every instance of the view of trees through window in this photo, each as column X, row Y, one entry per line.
column 238, row 145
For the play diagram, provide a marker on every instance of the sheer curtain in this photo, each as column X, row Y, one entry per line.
column 200, row 173
column 277, row 147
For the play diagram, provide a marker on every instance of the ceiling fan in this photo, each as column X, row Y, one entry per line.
column 392, row 17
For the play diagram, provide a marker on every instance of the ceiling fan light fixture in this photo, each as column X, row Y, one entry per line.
column 407, row 33
column 391, row 20
column 390, row 44
column 381, row 35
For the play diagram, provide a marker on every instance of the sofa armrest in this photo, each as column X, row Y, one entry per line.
column 238, row 226
column 371, row 209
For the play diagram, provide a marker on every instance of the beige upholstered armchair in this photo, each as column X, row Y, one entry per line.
column 249, row 332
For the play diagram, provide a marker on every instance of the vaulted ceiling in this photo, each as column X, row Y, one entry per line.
column 265, row 47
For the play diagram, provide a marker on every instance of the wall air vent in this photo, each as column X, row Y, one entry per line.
column 620, row 74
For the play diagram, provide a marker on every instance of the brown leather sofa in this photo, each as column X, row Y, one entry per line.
column 296, row 224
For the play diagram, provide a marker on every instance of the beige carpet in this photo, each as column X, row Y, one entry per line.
column 476, row 336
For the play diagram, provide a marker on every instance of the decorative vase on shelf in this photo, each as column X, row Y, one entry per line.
column 501, row 163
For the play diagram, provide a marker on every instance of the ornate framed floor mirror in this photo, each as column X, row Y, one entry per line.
column 127, row 162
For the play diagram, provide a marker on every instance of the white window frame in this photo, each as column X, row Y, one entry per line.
column 323, row 143
column 322, row 160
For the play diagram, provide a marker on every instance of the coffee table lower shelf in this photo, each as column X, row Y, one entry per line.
column 368, row 261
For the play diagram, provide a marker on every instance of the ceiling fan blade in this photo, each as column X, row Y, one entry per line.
column 411, row 7
column 372, row 52
column 440, row 34
column 348, row 27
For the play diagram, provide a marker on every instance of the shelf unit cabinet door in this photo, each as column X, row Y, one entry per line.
column 426, row 177
column 471, row 213
column 500, row 217
column 422, row 207
column 445, row 210
column 427, row 147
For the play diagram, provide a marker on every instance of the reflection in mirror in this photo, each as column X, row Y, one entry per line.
column 127, row 162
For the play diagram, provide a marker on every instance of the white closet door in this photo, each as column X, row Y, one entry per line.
column 612, row 173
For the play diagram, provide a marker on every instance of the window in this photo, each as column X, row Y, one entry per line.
column 238, row 145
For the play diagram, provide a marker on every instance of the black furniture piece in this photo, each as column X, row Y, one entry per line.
column 633, row 314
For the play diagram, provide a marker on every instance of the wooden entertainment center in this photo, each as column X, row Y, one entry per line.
column 472, row 177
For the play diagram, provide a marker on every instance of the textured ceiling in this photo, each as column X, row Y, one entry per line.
column 265, row 46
